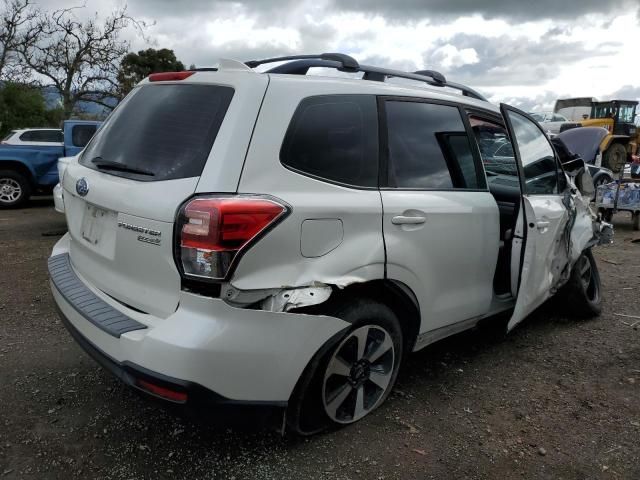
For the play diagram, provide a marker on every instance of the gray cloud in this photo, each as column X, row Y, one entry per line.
column 512, row 61
column 628, row 92
column 509, row 9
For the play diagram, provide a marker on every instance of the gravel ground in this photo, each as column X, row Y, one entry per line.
column 557, row 398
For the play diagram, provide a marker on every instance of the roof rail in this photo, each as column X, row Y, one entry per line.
column 300, row 64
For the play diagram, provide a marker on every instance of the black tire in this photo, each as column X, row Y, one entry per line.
column 615, row 157
column 581, row 296
column 307, row 410
column 635, row 220
column 15, row 189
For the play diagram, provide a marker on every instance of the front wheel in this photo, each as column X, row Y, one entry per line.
column 355, row 374
column 615, row 157
column 14, row 189
column 581, row 295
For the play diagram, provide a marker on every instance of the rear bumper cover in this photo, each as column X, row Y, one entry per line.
column 214, row 351
column 129, row 373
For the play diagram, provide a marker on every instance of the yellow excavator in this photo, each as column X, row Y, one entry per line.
column 617, row 116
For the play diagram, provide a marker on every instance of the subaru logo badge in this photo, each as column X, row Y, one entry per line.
column 82, row 187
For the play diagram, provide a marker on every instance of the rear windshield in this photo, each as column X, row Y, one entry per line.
column 160, row 132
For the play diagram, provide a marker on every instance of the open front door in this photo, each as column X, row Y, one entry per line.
column 543, row 215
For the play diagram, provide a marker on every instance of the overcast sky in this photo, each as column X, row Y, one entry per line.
column 525, row 52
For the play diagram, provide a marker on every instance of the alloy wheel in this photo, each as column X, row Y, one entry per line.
column 10, row 190
column 358, row 374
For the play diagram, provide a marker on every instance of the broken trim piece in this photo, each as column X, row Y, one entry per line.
column 287, row 300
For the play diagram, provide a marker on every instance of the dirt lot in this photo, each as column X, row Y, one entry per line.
column 557, row 398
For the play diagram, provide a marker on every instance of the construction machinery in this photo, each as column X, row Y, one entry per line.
column 617, row 116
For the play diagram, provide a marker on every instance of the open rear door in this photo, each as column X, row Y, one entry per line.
column 543, row 215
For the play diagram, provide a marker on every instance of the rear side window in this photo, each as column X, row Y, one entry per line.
column 429, row 148
column 81, row 134
column 53, row 136
column 334, row 138
column 160, row 132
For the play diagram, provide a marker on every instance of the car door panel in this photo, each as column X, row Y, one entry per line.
column 449, row 259
column 544, row 216
column 440, row 222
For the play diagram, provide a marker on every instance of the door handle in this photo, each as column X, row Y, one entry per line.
column 405, row 220
column 542, row 225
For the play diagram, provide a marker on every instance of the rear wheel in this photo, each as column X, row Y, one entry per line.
column 615, row 157
column 355, row 374
column 635, row 220
column 15, row 189
column 581, row 295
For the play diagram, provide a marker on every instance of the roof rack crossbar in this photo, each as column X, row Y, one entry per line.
column 300, row 64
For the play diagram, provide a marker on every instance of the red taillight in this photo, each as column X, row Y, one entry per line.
column 168, row 76
column 166, row 393
column 213, row 230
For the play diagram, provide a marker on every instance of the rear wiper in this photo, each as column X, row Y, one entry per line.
column 117, row 166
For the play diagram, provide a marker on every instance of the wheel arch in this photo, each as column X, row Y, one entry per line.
column 19, row 167
column 398, row 297
column 613, row 139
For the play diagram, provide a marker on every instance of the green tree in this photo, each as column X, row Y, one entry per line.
column 136, row 66
column 22, row 106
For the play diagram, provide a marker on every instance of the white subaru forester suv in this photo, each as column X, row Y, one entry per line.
column 276, row 239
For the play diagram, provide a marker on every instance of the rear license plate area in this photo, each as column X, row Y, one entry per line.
column 93, row 222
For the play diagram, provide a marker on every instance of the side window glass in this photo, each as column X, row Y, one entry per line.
column 27, row 137
column 496, row 151
column 81, row 134
column 537, row 156
column 334, row 137
column 429, row 148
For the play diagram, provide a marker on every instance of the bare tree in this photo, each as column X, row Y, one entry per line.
column 80, row 58
column 19, row 26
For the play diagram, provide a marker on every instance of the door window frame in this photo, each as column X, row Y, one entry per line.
column 383, row 141
column 516, row 149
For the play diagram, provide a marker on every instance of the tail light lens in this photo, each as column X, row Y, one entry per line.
column 214, row 231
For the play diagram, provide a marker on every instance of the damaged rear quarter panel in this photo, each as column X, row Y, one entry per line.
column 277, row 260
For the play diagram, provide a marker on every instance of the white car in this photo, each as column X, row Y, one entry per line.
column 282, row 240
column 550, row 121
column 35, row 136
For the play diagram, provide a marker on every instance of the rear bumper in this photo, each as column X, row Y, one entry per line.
column 197, row 397
column 216, row 353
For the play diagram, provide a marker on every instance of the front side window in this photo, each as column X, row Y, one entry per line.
column 495, row 148
column 334, row 138
column 536, row 154
column 429, row 148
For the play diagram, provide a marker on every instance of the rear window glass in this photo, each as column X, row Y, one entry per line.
column 81, row 134
column 335, row 137
column 160, row 132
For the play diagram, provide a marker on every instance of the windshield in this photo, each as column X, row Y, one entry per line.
column 160, row 132
column 626, row 113
column 538, row 117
